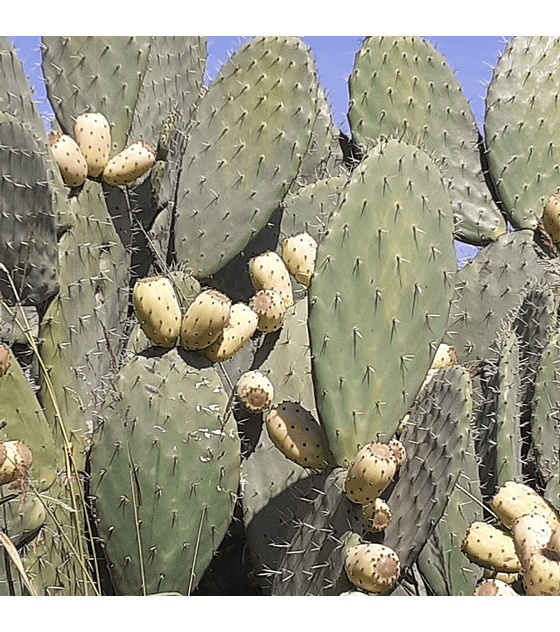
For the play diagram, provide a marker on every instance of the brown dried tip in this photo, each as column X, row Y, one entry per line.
column 5, row 360
column 15, row 461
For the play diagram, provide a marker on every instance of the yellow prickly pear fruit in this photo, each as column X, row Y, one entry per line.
column 370, row 473
column 551, row 217
column 299, row 253
column 516, row 499
column 269, row 272
column 205, row 319
column 157, row 310
column 129, row 165
column 70, row 160
column 494, row 588
column 490, row 547
column 398, row 450
column 542, row 574
column 372, row 567
column 376, row 516
column 254, row 392
column 270, row 308
column 241, row 326
column 93, row 136
column 530, row 533
column 300, row 438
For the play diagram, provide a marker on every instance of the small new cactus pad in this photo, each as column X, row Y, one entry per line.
column 494, row 588
column 157, row 310
column 297, row 434
column 376, row 515
column 370, row 473
column 205, row 319
column 490, row 547
column 254, row 391
column 5, row 360
column 129, row 165
column 299, row 253
column 551, row 217
column 241, row 326
column 270, row 308
column 269, row 272
column 445, row 356
column 372, row 567
column 71, row 161
column 93, row 136
column 516, row 499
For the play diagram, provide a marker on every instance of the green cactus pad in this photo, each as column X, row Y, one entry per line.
column 402, row 86
column 95, row 74
column 27, row 221
column 490, row 287
column 522, row 125
column 244, row 148
column 165, row 471
column 82, row 329
column 24, row 420
column 380, row 297
column 436, row 438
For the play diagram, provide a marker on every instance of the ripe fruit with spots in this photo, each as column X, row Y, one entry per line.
column 157, row 310
column 268, row 272
column 129, row 165
column 70, row 160
column 516, row 499
column 376, row 516
column 254, row 392
column 299, row 253
column 93, row 136
column 490, row 547
column 372, row 567
column 270, row 308
column 371, row 473
column 551, row 217
column 205, row 319
column 296, row 433
column 494, row 588
column 241, row 326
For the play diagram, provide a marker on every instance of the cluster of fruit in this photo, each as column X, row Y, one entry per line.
column 87, row 154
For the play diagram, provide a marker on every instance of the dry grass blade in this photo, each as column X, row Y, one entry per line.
column 16, row 559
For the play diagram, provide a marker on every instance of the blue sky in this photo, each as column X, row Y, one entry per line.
column 472, row 58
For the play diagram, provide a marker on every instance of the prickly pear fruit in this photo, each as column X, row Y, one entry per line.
column 370, row 473
column 398, row 450
column 296, row 433
column 490, row 547
column 299, row 253
column 129, row 165
column 5, row 360
column 15, row 461
column 205, row 319
column 372, row 567
column 531, row 533
column 254, row 392
column 554, row 541
column 70, row 160
column 157, row 310
column 542, row 574
column 376, row 516
column 269, row 272
column 516, row 499
column 551, row 217
column 93, row 136
column 494, row 588
column 270, row 308
column 241, row 326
